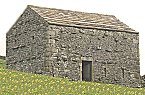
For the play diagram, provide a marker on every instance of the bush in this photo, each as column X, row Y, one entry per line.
column 2, row 57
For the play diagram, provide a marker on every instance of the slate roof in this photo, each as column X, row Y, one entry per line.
column 81, row 19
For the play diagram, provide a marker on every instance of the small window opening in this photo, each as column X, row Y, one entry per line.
column 105, row 72
column 15, row 40
column 32, row 37
column 122, row 72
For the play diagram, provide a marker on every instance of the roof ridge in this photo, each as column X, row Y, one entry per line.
column 82, row 19
column 32, row 6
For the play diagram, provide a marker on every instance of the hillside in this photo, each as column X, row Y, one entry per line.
column 20, row 83
column 2, row 63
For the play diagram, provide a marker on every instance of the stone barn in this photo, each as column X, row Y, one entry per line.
column 74, row 45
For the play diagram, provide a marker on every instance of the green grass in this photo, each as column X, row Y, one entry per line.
column 2, row 63
column 20, row 83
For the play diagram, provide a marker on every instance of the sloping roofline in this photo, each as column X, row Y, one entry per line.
column 81, row 19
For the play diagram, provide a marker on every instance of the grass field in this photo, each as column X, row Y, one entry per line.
column 2, row 63
column 20, row 83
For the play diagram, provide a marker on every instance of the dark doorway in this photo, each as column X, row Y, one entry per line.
column 86, row 70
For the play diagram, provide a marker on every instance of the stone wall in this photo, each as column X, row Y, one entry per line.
column 26, row 43
column 33, row 45
column 143, row 81
column 115, row 55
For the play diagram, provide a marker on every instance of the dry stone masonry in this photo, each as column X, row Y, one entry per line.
column 74, row 45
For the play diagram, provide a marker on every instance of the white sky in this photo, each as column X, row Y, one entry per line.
column 131, row 12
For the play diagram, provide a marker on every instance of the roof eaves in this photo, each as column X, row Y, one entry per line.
column 89, row 27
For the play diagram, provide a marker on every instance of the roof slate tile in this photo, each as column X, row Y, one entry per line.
column 81, row 19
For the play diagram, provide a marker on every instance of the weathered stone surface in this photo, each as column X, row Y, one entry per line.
column 33, row 45
column 143, row 81
column 26, row 43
